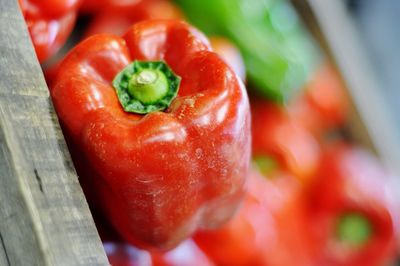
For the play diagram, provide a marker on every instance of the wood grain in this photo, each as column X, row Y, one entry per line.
column 44, row 217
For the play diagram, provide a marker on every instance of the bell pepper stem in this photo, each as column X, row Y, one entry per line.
column 148, row 86
column 265, row 164
column 354, row 229
column 143, row 87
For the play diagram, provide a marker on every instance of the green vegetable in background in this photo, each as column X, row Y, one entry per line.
column 278, row 53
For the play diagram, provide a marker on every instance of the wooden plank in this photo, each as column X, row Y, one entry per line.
column 44, row 217
column 372, row 122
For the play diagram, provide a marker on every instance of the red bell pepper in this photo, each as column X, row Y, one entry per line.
column 117, row 16
column 49, row 23
column 186, row 254
column 268, row 230
column 324, row 104
column 286, row 141
column 349, row 212
column 158, row 176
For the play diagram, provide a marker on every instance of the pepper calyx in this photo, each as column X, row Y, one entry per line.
column 146, row 86
column 354, row 229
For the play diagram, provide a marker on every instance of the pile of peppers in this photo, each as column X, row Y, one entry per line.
column 182, row 164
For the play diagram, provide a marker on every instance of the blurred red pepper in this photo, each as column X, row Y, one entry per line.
column 161, row 175
column 349, row 212
column 186, row 254
column 49, row 23
column 324, row 104
column 268, row 230
column 277, row 135
column 117, row 16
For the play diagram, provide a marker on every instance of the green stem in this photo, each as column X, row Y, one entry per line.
column 265, row 164
column 354, row 229
column 144, row 87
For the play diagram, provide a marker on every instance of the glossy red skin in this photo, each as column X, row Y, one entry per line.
column 160, row 176
column 186, row 254
column 324, row 104
column 49, row 23
column 268, row 229
column 230, row 53
column 277, row 135
column 351, row 180
column 117, row 16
